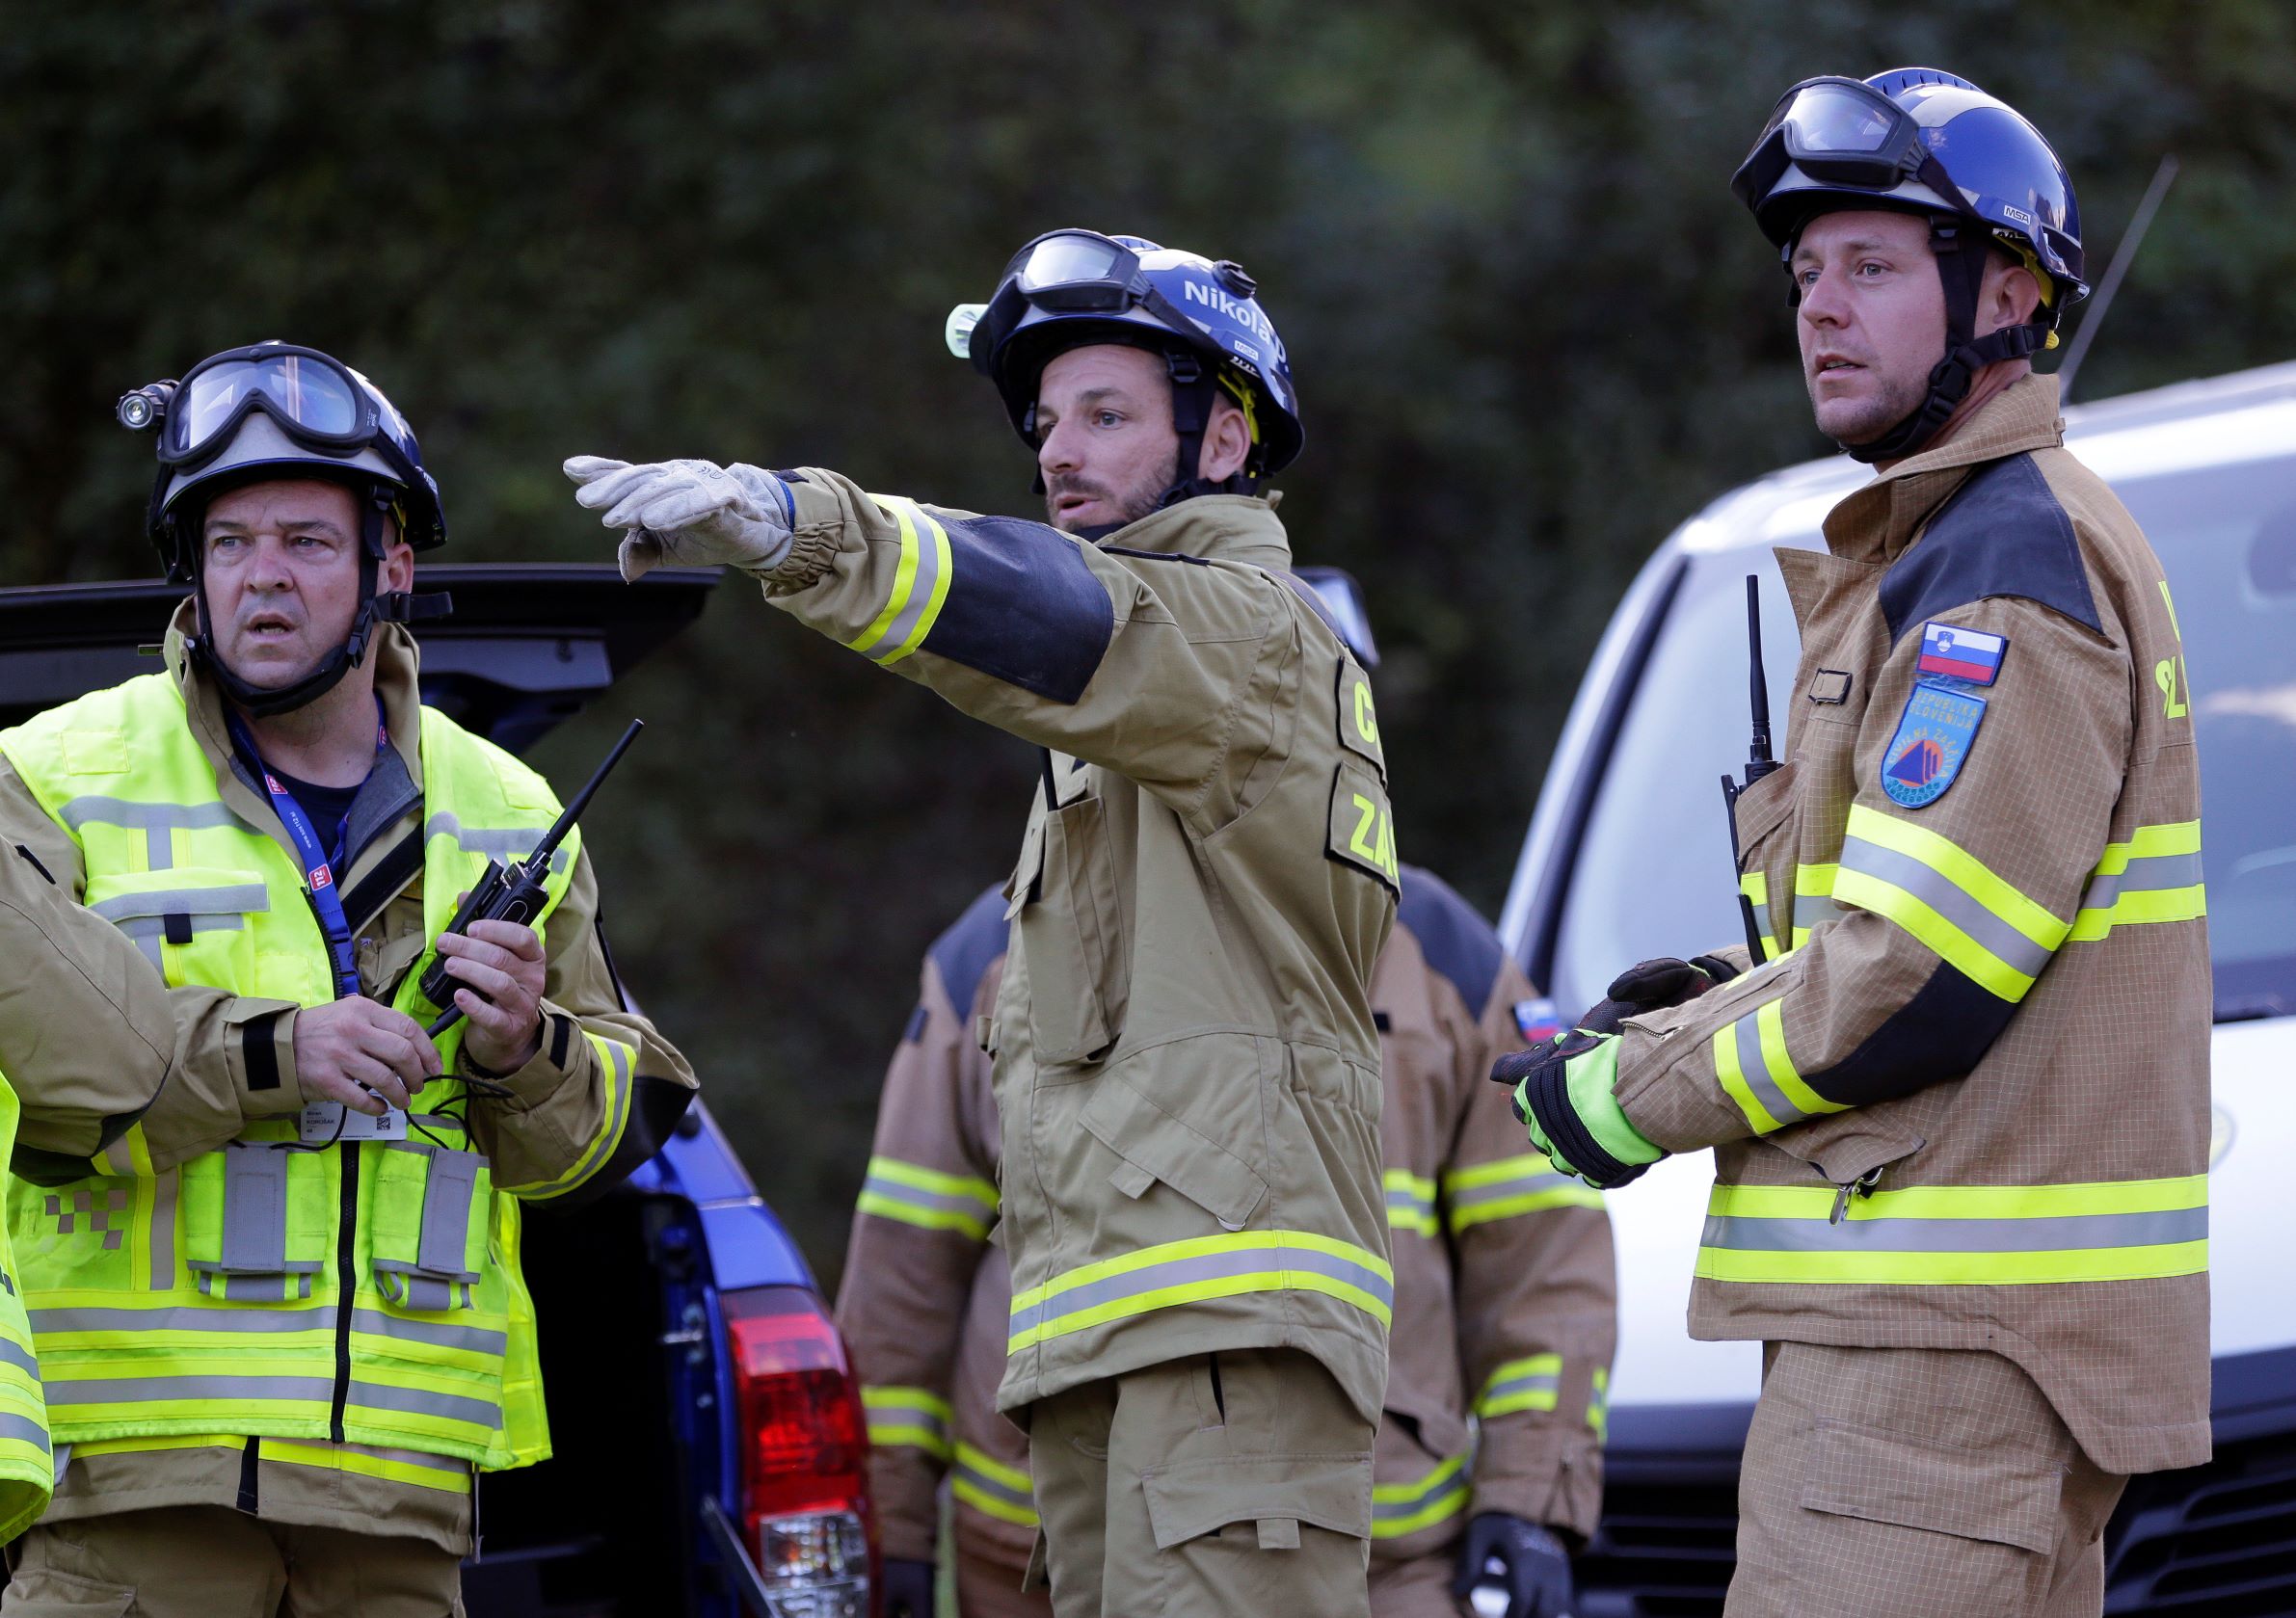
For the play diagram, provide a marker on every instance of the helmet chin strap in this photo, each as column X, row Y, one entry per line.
column 1960, row 255
column 395, row 607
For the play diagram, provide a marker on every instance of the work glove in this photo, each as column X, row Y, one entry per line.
column 908, row 1588
column 1654, row 984
column 1527, row 1561
column 1563, row 1096
column 688, row 514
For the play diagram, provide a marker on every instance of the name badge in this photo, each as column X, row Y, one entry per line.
column 326, row 1121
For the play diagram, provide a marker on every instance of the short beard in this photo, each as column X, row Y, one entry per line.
column 1143, row 499
column 1870, row 420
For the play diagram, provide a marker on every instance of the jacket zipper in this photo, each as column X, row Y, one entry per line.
column 346, row 1285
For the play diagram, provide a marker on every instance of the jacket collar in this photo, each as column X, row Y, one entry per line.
column 1216, row 527
column 396, row 784
column 1878, row 521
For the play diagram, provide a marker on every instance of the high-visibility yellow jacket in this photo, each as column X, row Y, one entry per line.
column 1186, row 1068
column 365, row 1297
column 1966, row 1102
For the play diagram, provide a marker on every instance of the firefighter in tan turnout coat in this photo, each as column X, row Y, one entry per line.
column 1187, row 1070
column 1960, row 1111
column 1504, row 1305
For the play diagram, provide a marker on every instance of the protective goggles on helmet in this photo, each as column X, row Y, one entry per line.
column 1842, row 132
column 1062, row 272
column 314, row 397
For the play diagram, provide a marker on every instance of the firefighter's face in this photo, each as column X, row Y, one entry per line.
column 1872, row 320
column 280, row 566
column 1105, row 441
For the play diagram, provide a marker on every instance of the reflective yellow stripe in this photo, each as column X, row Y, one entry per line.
column 1945, row 897
column 1733, row 1081
column 988, row 1485
column 2153, row 877
column 1770, row 1028
column 1197, row 1270
column 1405, row 1508
column 1813, row 899
column 1598, row 1406
column 1957, row 1234
column 928, row 1198
column 1410, row 1203
column 1509, row 1188
column 441, row 1472
column 617, row 1064
column 915, row 1418
column 919, row 585
column 1526, row 1383
column 1755, row 885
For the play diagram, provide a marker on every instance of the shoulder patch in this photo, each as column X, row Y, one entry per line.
column 972, row 943
column 1932, row 743
column 2001, row 534
column 1361, row 831
column 1954, row 651
column 1360, row 716
column 1456, row 941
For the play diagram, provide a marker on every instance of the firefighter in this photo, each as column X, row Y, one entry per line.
column 1185, row 1066
column 280, row 1312
column 1503, row 1284
column 1960, row 1108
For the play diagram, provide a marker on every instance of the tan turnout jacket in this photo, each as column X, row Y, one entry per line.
column 536, row 1135
column 1503, row 1307
column 1185, row 1066
column 1968, row 1107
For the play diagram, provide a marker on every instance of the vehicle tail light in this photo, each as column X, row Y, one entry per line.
column 805, row 1513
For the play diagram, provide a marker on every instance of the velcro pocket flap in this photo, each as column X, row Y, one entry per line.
column 1886, row 1477
column 1151, row 1139
column 178, row 890
column 1762, row 805
column 1198, row 1497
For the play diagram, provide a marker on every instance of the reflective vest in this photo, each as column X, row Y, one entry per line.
column 27, row 1470
column 364, row 1293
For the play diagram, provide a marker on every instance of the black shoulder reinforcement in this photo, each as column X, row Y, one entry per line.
column 2002, row 533
column 1456, row 941
column 973, row 944
column 1024, row 606
column 1941, row 1033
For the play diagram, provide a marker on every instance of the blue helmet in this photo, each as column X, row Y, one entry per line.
column 1070, row 288
column 1925, row 142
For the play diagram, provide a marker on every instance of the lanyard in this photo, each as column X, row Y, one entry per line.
column 318, row 871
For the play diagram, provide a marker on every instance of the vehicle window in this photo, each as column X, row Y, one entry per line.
column 1653, row 876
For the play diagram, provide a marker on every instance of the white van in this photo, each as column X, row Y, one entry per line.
column 1628, row 857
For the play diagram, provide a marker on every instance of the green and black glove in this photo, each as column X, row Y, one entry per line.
column 1562, row 1095
column 1649, row 986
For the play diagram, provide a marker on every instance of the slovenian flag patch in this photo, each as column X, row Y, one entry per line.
column 1960, row 653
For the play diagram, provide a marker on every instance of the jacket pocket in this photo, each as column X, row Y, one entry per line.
column 1990, row 1498
column 430, row 1219
column 1275, row 1493
column 190, row 921
column 1074, row 937
column 1155, row 1146
column 1850, row 1149
column 254, row 1222
column 1766, row 818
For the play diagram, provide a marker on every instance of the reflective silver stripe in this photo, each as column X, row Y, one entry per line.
column 1390, row 1504
column 254, row 1209
column 471, row 1340
column 1505, row 1191
column 143, row 1390
column 1536, row 1382
column 1207, row 1267
column 222, row 1322
column 411, row 1288
column 1812, row 911
column 421, row 1402
column 203, row 902
column 20, row 1357
column 2158, row 873
column 407, row 1457
column 161, row 1231
column 154, row 820
column 447, row 1192
column 1762, row 922
column 1946, row 897
column 23, row 1429
column 1754, row 1067
column 491, row 843
column 150, row 931
column 996, row 1488
column 931, row 544
column 883, row 1413
column 2057, row 1233
column 970, row 1208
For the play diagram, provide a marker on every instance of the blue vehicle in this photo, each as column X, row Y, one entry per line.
column 710, row 1450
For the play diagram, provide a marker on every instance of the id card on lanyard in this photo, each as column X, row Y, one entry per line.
column 328, row 1119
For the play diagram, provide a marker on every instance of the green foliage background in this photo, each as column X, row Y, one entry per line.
column 1532, row 329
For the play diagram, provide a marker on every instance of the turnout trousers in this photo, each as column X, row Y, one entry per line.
column 1222, row 1483
column 210, row 1561
column 1915, row 1481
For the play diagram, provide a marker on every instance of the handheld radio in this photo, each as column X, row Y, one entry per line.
column 1758, row 763
column 514, row 892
